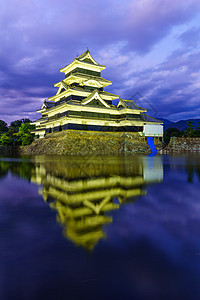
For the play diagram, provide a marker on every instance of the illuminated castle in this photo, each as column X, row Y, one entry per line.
column 82, row 104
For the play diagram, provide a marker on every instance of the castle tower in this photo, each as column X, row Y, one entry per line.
column 82, row 104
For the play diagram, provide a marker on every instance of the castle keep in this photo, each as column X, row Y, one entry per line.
column 82, row 104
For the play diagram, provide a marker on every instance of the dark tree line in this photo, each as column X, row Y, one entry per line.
column 190, row 131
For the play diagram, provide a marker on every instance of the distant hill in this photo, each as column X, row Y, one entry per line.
column 181, row 125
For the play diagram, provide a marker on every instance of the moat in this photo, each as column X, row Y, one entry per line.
column 104, row 227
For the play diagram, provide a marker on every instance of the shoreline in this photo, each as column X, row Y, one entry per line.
column 182, row 145
column 72, row 142
column 104, row 143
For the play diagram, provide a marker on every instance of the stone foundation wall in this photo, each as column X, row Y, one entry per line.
column 72, row 142
column 181, row 144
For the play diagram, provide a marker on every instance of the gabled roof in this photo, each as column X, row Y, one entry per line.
column 94, row 95
column 47, row 104
column 83, row 59
column 64, row 84
column 87, row 57
column 61, row 86
column 130, row 104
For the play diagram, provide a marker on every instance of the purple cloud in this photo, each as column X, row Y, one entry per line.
column 190, row 37
column 38, row 38
column 172, row 87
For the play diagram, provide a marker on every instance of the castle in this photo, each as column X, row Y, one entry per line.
column 82, row 104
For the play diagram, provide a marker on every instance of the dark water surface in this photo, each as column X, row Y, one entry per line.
column 100, row 228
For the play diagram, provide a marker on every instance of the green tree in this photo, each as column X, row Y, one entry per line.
column 190, row 129
column 7, row 139
column 196, row 132
column 198, row 126
column 17, row 123
column 24, row 135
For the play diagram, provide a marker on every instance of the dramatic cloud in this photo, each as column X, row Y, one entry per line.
column 149, row 46
column 172, row 87
column 190, row 37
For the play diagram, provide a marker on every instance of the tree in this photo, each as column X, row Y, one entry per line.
column 190, row 129
column 6, row 139
column 24, row 135
column 17, row 123
column 171, row 132
column 196, row 132
column 198, row 126
column 3, row 127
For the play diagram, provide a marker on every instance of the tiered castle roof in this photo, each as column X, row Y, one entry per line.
column 82, row 103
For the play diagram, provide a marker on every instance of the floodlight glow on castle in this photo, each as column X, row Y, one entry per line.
column 82, row 104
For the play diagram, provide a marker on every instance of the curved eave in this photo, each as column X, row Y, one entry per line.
column 80, row 107
column 150, row 119
column 110, row 94
column 152, row 123
column 41, row 110
column 69, row 92
column 38, row 129
column 124, row 103
column 132, row 110
column 86, row 65
column 39, row 121
column 91, row 64
column 81, row 78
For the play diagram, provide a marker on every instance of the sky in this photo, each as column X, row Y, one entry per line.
column 151, row 49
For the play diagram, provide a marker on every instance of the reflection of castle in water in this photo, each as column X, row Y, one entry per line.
column 83, row 190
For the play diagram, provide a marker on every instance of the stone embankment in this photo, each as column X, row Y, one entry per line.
column 182, row 144
column 72, row 142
